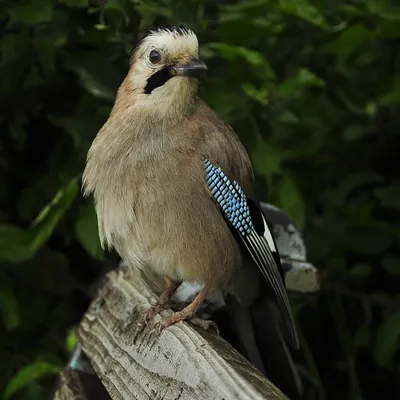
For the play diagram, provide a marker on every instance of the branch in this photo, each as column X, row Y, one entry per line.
column 181, row 363
column 74, row 385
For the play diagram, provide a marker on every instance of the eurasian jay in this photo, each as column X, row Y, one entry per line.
column 173, row 187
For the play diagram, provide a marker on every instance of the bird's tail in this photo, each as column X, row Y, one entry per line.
column 259, row 338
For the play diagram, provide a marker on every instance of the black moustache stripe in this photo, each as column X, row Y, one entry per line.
column 158, row 79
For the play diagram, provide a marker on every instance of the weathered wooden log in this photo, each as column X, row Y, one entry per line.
column 183, row 362
column 79, row 381
column 76, row 385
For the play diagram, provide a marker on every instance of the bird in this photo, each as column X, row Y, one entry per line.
column 300, row 275
column 173, row 187
column 252, row 328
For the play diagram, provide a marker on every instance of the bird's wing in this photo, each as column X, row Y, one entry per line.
column 246, row 219
column 258, row 336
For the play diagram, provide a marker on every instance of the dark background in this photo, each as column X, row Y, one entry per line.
column 313, row 89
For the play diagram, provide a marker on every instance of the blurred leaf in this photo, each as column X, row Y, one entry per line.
column 389, row 9
column 392, row 96
column 14, row 244
column 98, row 78
column 291, row 200
column 303, row 78
column 71, row 341
column 75, row 3
column 353, row 10
column 350, row 39
column 48, row 218
column 77, row 126
column 46, row 53
column 9, row 309
column 101, row 27
column 93, row 85
column 391, row 264
column 150, row 8
column 353, row 133
column 34, row 391
column 287, row 117
column 371, row 109
column 229, row 105
column 389, row 196
column 361, row 270
column 121, row 5
column 11, row 46
column 387, row 340
column 232, row 53
column 259, row 95
column 30, row 12
column 389, row 29
column 303, row 9
column 267, row 159
column 351, row 183
column 87, row 232
column 28, row 374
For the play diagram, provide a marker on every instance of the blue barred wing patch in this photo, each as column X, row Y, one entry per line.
column 230, row 197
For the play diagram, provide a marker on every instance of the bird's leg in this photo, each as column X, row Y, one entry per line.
column 188, row 313
column 164, row 299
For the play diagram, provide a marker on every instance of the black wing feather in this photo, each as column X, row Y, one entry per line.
column 263, row 228
column 258, row 248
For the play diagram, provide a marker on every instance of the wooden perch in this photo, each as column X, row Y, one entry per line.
column 74, row 385
column 182, row 363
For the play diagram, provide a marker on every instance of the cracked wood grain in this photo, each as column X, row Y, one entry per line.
column 182, row 363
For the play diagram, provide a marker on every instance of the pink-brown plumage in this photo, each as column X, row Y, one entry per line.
column 145, row 170
column 152, row 201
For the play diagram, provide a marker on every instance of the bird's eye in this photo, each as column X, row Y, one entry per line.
column 154, row 57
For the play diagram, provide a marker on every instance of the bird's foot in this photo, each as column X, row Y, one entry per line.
column 184, row 316
column 161, row 306
column 188, row 313
column 171, row 320
column 157, row 308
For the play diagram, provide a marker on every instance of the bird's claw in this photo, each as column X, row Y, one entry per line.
column 156, row 309
column 161, row 306
column 159, row 326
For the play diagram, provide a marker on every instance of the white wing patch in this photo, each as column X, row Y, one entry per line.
column 268, row 237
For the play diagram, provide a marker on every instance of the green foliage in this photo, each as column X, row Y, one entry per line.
column 9, row 309
column 28, row 12
column 71, row 342
column 87, row 232
column 387, row 340
column 49, row 216
column 28, row 374
column 303, row 9
column 313, row 90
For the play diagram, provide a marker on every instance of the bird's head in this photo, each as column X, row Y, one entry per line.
column 165, row 69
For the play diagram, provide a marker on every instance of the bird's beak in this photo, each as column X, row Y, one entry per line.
column 194, row 68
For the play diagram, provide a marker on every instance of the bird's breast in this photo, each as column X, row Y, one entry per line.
column 161, row 215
